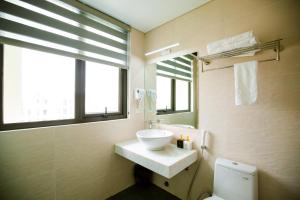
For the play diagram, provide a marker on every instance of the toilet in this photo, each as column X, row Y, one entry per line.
column 234, row 181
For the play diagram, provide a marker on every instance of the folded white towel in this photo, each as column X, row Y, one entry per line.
column 245, row 79
column 242, row 40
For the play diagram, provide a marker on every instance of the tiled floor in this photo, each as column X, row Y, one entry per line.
column 135, row 192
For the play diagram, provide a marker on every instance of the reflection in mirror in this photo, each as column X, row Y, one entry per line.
column 171, row 90
column 164, row 93
column 182, row 97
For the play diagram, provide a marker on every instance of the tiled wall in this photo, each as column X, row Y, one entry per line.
column 75, row 161
column 266, row 134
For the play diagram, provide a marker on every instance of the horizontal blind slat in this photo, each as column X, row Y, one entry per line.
column 65, row 27
column 18, row 28
column 25, row 44
column 188, row 56
column 183, row 60
column 172, row 77
column 12, row 9
column 76, row 17
column 174, row 71
column 97, row 13
column 176, row 68
column 169, row 62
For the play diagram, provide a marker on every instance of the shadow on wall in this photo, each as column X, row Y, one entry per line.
column 180, row 183
column 203, row 181
column 269, row 183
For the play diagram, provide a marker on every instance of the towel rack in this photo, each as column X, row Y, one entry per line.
column 275, row 45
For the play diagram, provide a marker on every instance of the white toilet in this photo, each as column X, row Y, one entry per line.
column 234, row 181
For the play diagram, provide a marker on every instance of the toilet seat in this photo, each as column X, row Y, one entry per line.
column 214, row 198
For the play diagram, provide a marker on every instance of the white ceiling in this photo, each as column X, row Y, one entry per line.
column 145, row 15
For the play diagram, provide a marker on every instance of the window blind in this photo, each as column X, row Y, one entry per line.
column 176, row 68
column 65, row 27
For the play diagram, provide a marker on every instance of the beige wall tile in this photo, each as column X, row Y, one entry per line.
column 73, row 162
column 25, row 153
column 29, row 187
column 26, row 164
column 265, row 134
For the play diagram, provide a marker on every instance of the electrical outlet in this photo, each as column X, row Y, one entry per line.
column 166, row 184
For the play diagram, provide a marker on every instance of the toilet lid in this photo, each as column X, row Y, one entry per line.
column 214, row 198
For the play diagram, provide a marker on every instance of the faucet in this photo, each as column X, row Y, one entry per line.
column 152, row 122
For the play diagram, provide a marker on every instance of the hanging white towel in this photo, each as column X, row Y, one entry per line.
column 139, row 96
column 151, row 93
column 245, row 82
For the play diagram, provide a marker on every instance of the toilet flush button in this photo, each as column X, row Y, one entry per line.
column 234, row 163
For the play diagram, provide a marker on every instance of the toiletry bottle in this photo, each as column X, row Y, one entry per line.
column 180, row 142
column 187, row 144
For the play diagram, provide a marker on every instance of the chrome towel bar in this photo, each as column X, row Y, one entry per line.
column 275, row 45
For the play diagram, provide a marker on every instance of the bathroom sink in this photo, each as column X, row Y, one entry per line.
column 183, row 126
column 154, row 139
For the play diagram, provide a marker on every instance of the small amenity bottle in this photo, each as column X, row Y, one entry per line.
column 180, row 142
column 187, row 144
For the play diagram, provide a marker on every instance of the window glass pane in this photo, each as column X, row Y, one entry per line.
column 101, row 88
column 182, row 95
column 38, row 86
column 163, row 88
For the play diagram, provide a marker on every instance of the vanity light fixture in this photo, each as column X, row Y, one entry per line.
column 161, row 49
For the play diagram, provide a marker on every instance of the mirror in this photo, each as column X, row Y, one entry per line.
column 171, row 87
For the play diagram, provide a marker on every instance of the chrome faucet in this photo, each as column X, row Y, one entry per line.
column 152, row 122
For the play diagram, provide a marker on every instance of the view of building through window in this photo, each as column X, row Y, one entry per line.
column 163, row 89
column 37, row 86
column 101, row 88
column 182, row 95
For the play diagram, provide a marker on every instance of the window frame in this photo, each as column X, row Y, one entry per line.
column 173, row 100
column 79, row 97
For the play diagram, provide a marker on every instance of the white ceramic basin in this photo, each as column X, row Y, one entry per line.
column 183, row 126
column 154, row 139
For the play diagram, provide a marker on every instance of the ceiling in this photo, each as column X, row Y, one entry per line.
column 145, row 15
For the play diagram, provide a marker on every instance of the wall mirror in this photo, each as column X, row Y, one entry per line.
column 171, row 91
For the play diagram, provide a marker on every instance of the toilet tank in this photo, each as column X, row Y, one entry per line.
column 235, row 181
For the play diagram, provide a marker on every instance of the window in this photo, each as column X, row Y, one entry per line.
column 182, row 95
column 101, row 89
column 43, row 89
column 173, row 84
column 61, row 62
column 164, row 93
column 37, row 86
column 173, row 95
